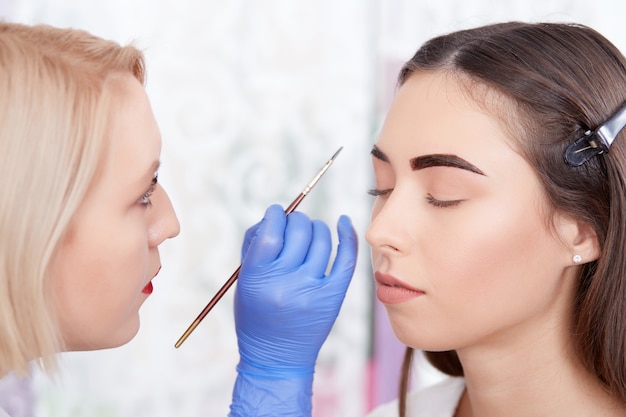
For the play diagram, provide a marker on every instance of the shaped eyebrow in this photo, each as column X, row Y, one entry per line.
column 443, row 160
column 434, row 160
column 378, row 154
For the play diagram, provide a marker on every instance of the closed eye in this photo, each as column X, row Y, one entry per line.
column 375, row 192
column 442, row 203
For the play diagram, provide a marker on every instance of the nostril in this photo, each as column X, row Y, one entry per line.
column 391, row 248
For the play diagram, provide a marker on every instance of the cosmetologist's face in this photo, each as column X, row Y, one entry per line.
column 104, row 267
column 461, row 247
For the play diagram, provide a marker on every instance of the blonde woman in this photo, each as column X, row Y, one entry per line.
column 82, row 214
column 81, row 211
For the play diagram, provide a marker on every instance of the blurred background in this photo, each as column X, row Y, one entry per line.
column 252, row 97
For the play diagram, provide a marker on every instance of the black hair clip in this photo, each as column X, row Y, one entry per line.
column 596, row 142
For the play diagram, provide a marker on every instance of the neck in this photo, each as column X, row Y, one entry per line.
column 532, row 376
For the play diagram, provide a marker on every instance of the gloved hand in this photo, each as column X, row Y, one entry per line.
column 285, row 307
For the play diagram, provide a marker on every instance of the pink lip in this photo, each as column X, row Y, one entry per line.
column 391, row 290
column 148, row 288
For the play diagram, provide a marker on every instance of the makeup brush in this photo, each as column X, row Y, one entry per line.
column 218, row 296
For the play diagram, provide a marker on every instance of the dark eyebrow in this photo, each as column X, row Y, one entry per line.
column 378, row 154
column 434, row 160
column 443, row 160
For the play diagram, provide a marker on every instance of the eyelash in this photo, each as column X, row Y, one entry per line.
column 145, row 199
column 440, row 203
column 374, row 192
column 429, row 198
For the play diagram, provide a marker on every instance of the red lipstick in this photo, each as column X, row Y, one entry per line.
column 148, row 288
column 391, row 290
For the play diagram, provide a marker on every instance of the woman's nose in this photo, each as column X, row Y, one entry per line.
column 163, row 223
column 389, row 229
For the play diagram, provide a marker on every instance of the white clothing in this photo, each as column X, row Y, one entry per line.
column 438, row 400
column 3, row 413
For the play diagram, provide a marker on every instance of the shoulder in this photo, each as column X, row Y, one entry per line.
column 438, row 400
column 3, row 413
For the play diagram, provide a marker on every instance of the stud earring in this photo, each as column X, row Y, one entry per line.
column 577, row 259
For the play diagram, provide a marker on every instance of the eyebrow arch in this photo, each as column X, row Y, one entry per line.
column 152, row 172
column 443, row 160
column 378, row 154
column 427, row 161
column 154, row 167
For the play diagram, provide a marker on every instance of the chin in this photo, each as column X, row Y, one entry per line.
column 119, row 338
column 126, row 335
column 424, row 341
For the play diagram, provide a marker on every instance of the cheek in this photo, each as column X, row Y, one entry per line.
column 99, row 281
column 502, row 255
column 480, row 278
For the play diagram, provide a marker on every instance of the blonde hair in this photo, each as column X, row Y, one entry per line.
column 54, row 109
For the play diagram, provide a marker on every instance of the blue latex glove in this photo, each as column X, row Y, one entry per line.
column 285, row 307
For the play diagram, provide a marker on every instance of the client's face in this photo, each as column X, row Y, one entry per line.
column 104, row 268
column 461, row 249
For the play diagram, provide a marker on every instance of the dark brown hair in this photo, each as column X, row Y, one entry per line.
column 558, row 81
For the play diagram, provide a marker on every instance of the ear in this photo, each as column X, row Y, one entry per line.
column 579, row 238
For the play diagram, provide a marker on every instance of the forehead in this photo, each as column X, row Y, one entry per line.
column 434, row 113
column 132, row 144
column 133, row 135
